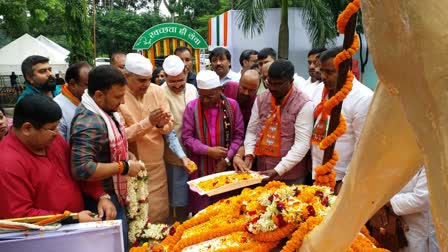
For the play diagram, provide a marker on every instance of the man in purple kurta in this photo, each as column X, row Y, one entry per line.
column 212, row 131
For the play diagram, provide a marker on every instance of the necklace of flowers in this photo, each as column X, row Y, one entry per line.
column 138, row 207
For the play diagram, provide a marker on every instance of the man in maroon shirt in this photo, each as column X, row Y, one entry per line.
column 34, row 168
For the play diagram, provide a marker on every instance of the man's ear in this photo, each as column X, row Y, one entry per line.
column 26, row 128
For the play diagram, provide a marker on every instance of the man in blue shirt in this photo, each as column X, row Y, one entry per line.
column 38, row 77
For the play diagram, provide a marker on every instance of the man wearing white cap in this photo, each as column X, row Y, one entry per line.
column 147, row 116
column 178, row 93
column 212, row 130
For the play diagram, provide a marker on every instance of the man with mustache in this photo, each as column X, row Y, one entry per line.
column 280, row 127
column 212, row 130
column 38, row 76
column 147, row 116
column 244, row 93
column 220, row 59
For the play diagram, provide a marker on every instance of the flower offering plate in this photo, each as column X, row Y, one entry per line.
column 223, row 182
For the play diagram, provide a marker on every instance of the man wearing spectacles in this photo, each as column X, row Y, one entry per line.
column 212, row 130
column 34, row 168
column 280, row 127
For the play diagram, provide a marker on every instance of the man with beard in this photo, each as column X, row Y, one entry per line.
column 212, row 130
column 244, row 93
column 147, row 116
column 280, row 127
column 38, row 79
column 220, row 59
column 99, row 146
column 312, row 83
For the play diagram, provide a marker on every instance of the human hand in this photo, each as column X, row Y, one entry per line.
column 106, row 207
column 166, row 118
column 217, row 152
column 189, row 166
column 135, row 167
column 156, row 116
column 87, row 216
column 249, row 160
column 239, row 164
column 270, row 173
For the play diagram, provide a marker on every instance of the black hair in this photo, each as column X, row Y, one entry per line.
column 281, row 69
column 316, row 50
column 265, row 52
column 155, row 73
column 220, row 51
column 181, row 49
column 114, row 55
column 254, row 67
column 29, row 62
column 73, row 71
column 2, row 110
column 36, row 109
column 245, row 55
column 330, row 53
column 103, row 77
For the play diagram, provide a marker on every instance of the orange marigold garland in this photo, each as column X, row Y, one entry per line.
column 277, row 234
column 345, row 16
column 325, row 175
column 298, row 236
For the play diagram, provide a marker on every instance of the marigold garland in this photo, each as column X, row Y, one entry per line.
column 345, row 16
column 277, row 234
column 298, row 236
column 326, row 176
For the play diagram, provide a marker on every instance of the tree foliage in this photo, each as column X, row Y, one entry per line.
column 79, row 40
column 117, row 30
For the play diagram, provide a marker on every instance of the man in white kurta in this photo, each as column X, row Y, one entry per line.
column 354, row 109
column 412, row 204
column 313, row 83
column 147, row 117
column 178, row 94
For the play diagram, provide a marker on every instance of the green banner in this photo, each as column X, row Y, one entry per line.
column 169, row 30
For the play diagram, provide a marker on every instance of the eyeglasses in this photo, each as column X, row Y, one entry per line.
column 210, row 96
column 269, row 84
column 52, row 131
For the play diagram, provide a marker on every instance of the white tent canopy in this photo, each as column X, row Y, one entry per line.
column 52, row 44
column 13, row 54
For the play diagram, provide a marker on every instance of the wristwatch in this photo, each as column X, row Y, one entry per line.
column 105, row 196
column 228, row 161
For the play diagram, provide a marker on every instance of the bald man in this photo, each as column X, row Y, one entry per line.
column 264, row 76
column 118, row 60
column 244, row 93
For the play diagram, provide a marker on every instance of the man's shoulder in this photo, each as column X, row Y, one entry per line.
column 85, row 118
column 360, row 91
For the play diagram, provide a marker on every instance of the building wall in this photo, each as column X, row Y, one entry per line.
column 299, row 42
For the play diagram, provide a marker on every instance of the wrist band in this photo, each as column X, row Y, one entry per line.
column 120, row 167
column 126, row 167
column 238, row 155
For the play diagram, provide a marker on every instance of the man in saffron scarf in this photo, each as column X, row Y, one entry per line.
column 147, row 116
column 280, row 127
column 212, row 130
column 76, row 76
column 354, row 109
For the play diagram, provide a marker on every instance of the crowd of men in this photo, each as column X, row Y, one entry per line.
column 84, row 143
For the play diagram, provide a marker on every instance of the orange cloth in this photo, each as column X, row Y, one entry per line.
column 147, row 144
column 269, row 140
